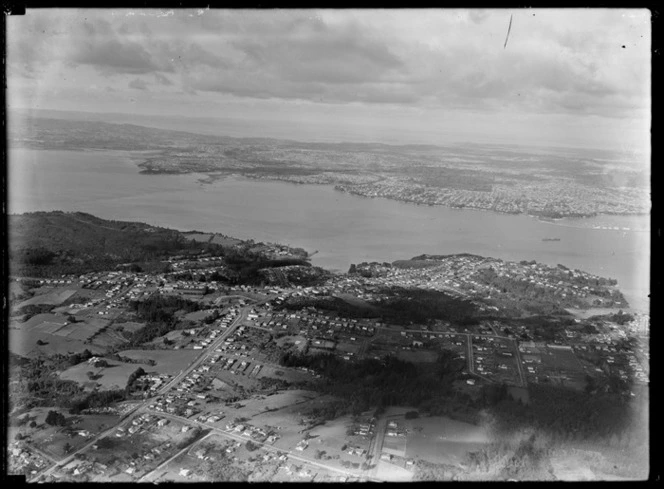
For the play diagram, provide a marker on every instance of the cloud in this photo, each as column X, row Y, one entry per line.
column 162, row 80
column 138, row 84
column 101, row 47
column 556, row 61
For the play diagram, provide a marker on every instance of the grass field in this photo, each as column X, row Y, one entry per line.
column 198, row 315
column 167, row 361
column 417, row 356
column 54, row 297
column 225, row 241
column 23, row 337
column 395, row 445
column 392, row 473
column 287, row 374
column 288, row 341
column 561, row 359
column 130, row 326
column 112, row 377
column 53, row 439
column 54, row 330
column 198, row 237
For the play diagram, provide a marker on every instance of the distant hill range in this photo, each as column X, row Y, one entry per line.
column 510, row 180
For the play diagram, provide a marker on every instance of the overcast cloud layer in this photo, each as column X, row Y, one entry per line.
column 581, row 68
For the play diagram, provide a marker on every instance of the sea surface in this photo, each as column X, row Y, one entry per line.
column 342, row 228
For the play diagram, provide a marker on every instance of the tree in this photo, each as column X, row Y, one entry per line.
column 67, row 448
column 55, row 418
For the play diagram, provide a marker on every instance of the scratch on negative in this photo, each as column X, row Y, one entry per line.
column 508, row 32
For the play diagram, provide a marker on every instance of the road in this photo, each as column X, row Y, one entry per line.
column 265, row 446
column 85, row 447
column 469, row 342
column 377, row 444
column 147, row 476
column 471, row 369
column 206, row 353
column 209, row 351
column 519, row 363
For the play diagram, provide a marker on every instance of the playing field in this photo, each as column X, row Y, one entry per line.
column 167, row 361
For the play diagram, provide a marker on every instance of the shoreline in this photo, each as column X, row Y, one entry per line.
column 214, row 177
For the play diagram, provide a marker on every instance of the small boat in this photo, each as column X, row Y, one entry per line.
column 550, row 239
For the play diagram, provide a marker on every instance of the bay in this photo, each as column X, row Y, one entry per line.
column 343, row 228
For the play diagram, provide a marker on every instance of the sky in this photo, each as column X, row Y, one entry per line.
column 566, row 77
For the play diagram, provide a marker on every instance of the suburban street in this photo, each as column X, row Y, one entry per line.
column 142, row 406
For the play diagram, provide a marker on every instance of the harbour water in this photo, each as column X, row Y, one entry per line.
column 343, row 228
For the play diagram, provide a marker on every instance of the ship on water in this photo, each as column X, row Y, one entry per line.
column 550, row 239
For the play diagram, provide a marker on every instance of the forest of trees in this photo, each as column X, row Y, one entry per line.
column 372, row 383
column 159, row 312
column 415, row 305
column 404, row 306
column 563, row 413
column 39, row 385
column 46, row 244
